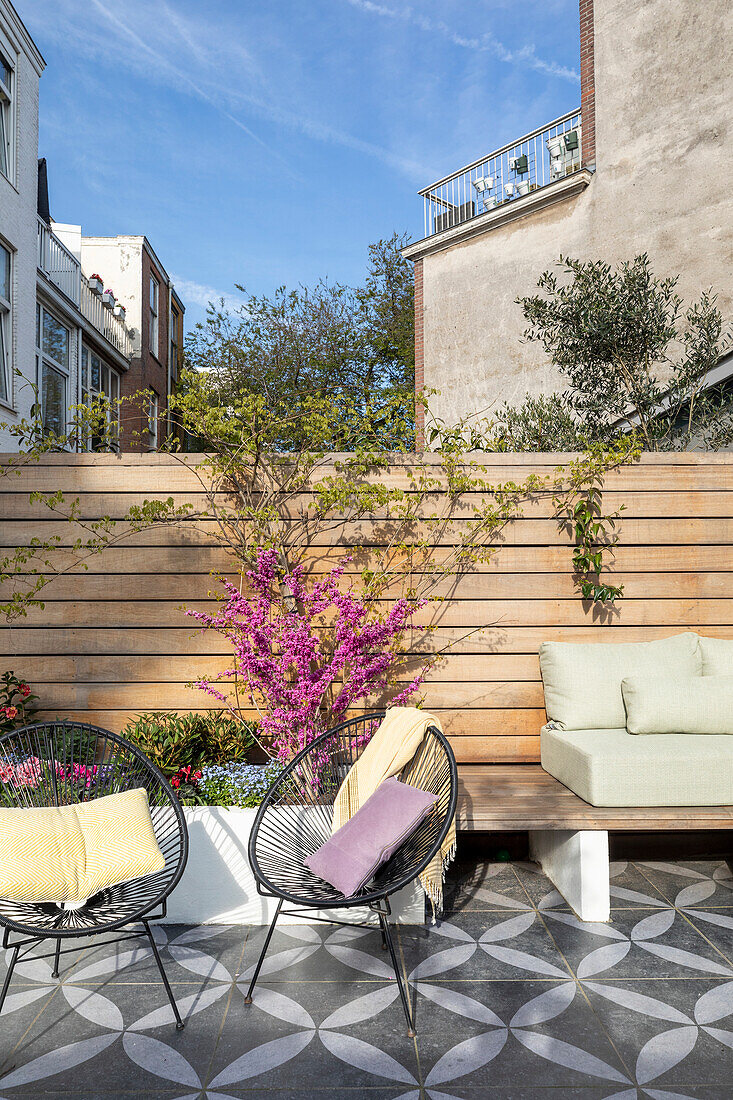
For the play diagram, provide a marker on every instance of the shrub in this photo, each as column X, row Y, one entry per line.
column 16, row 702
column 234, row 784
column 175, row 741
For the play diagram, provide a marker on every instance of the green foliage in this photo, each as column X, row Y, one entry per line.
column 174, row 741
column 350, row 346
column 633, row 357
column 16, row 702
column 579, row 510
column 25, row 570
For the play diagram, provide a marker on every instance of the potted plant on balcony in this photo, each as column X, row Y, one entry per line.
column 108, row 299
column 120, row 311
column 95, row 284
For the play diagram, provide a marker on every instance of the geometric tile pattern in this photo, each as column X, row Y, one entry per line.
column 514, row 998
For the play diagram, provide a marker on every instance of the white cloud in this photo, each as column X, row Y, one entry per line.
column 484, row 43
column 199, row 294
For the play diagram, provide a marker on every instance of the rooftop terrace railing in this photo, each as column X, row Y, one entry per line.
column 533, row 161
column 64, row 270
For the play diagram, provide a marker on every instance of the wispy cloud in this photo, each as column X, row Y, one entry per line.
column 215, row 52
column 201, row 295
column 484, row 43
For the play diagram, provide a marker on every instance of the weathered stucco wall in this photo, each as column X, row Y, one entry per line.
column 662, row 185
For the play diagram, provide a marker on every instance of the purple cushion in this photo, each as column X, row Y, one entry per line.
column 352, row 856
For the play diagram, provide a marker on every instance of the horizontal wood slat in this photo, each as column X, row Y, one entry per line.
column 113, row 641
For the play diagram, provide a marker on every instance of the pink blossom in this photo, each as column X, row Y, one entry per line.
column 306, row 652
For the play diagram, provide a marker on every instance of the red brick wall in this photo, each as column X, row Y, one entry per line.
column 419, row 357
column 587, row 84
column 149, row 370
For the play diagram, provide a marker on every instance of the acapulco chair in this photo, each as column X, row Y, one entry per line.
column 62, row 763
column 295, row 819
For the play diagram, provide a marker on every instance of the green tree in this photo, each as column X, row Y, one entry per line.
column 633, row 356
column 353, row 346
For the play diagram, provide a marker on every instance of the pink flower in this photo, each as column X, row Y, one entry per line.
column 306, row 652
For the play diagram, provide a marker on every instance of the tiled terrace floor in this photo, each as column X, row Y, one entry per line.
column 516, row 999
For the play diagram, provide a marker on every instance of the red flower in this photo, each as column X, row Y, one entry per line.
column 11, row 712
column 24, row 690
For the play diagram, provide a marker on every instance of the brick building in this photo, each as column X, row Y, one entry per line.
column 155, row 319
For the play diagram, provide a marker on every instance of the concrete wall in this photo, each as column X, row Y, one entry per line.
column 18, row 202
column 664, row 146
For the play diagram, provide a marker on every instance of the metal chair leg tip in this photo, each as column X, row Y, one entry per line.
column 180, row 1025
column 248, row 1000
column 54, row 973
column 411, row 1033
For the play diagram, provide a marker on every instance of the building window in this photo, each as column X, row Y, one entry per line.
column 53, row 341
column 154, row 299
column 153, row 420
column 99, row 382
column 6, row 116
column 5, row 325
column 175, row 323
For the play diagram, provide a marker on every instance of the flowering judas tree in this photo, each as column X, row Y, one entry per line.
column 304, row 654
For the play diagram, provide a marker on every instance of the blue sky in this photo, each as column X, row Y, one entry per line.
column 268, row 143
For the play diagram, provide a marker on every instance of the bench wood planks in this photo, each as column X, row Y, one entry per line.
column 518, row 797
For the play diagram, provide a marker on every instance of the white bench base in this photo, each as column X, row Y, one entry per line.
column 577, row 864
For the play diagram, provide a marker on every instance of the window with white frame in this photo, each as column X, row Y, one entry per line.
column 100, row 384
column 154, row 301
column 152, row 420
column 174, row 327
column 7, row 75
column 53, row 345
column 6, row 316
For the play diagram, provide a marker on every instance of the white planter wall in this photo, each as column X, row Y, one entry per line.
column 218, row 887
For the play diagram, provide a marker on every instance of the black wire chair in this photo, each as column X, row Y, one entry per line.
column 296, row 816
column 62, row 763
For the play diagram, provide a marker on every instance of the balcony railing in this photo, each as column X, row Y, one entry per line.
column 61, row 266
column 64, row 271
column 535, row 160
column 104, row 320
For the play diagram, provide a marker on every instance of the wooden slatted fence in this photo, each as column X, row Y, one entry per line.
column 113, row 641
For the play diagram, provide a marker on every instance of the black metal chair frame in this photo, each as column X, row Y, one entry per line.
column 116, row 908
column 277, row 859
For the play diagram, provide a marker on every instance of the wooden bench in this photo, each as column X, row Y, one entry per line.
column 568, row 837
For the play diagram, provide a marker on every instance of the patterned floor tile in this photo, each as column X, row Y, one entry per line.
column 477, row 886
column 673, row 1034
column 300, row 1033
column 699, row 884
column 499, row 1012
column 484, row 945
column 538, row 1033
column 658, row 943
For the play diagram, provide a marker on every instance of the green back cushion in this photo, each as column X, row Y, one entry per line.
column 717, row 656
column 583, row 682
column 672, row 704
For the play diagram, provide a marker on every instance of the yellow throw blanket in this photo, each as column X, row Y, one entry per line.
column 398, row 743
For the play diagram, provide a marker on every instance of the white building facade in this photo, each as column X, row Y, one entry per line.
column 62, row 340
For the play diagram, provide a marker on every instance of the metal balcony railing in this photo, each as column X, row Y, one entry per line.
column 61, row 266
column 535, row 160
column 104, row 320
column 64, row 271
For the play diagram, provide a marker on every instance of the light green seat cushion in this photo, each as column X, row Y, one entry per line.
column 717, row 656
column 670, row 704
column 611, row 767
column 583, row 681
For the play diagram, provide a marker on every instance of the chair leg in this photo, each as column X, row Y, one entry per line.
column 179, row 1022
column 263, row 952
column 384, row 938
column 8, row 976
column 57, row 955
column 387, row 936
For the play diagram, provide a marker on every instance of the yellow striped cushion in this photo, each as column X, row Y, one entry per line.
column 69, row 853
